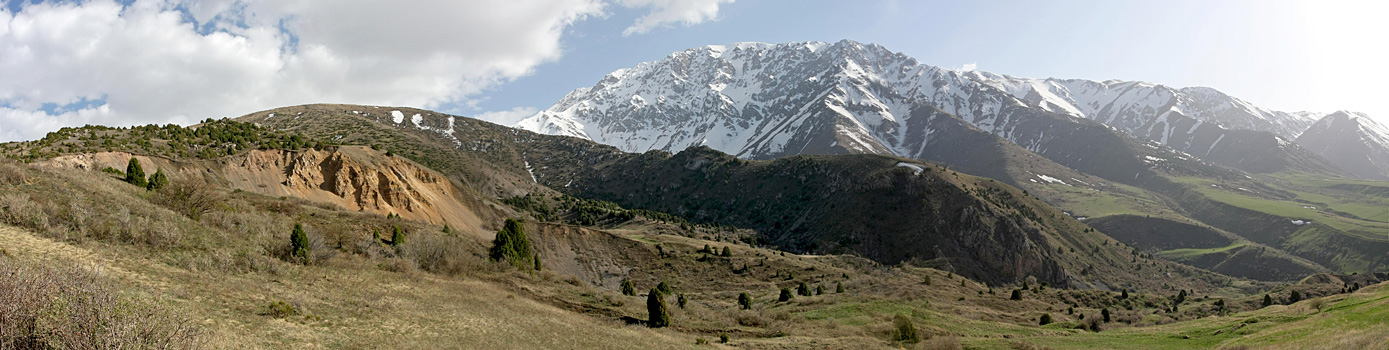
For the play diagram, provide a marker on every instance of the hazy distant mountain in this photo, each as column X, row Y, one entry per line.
column 762, row 101
column 1352, row 141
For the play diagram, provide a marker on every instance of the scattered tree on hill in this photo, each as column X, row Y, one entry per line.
column 726, row 253
column 803, row 290
column 1104, row 313
column 659, row 316
column 1268, row 300
column 1181, row 297
column 839, row 287
column 785, row 295
column 1294, row 298
column 299, row 244
column 1124, row 294
column 157, row 181
column 664, row 288
column 1045, row 320
column 745, row 300
column 820, row 289
column 134, row 174
column 1017, row 295
column 905, row 332
column 928, row 280
column 511, row 244
column 681, row 300
column 628, row 288
column 376, row 235
column 536, row 258
column 1024, row 285
column 1070, row 310
column 397, row 237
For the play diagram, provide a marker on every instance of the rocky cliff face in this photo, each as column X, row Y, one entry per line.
column 354, row 178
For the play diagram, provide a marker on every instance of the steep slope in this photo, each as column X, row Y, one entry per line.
column 1352, row 141
column 761, row 101
column 351, row 177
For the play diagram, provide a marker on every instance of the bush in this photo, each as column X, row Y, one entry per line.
column 803, row 290
column 65, row 308
column 656, row 310
column 682, row 301
column 726, row 253
column 664, row 288
column 785, row 295
column 903, row 330
column 190, row 197
column 281, row 309
column 839, row 287
column 1045, row 320
column 397, row 236
column 723, row 338
column 1017, row 295
column 628, row 289
column 745, row 300
column 820, row 289
column 1105, row 313
column 1268, row 300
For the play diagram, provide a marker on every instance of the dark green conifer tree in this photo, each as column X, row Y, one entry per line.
column 659, row 316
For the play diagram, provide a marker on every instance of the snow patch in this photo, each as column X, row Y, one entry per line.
column 1301, row 222
column 1051, row 179
column 397, row 116
column 915, row 167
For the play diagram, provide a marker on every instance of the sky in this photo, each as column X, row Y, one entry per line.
column 128, row 62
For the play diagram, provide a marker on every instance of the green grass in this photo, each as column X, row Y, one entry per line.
column 1234, row 195
column 1190, row 253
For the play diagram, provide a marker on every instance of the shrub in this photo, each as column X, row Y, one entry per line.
column 536, row 258
column 656, row 310
column 726, row 252
column 1294, row 297
column 745, row 300
column 281, row 309
column 903, row 330
column 723, row 337
column 1105, row 314
column 701, row 341
column 190, row 197
column 785, row 295
column 682, row 301
column 820, row 289
column 1045, row 320
column 839, row 287
column 1017, row 295
column 664, row 288
column 68, row 308
column 628, row 289
column 803, row 289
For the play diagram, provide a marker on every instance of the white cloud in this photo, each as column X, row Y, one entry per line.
column 968, row 67
column 508, row 118
column 666, row 12
column 145, row 63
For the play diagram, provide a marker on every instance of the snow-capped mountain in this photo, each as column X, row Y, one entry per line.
column 1352, row 141
column 759, row 100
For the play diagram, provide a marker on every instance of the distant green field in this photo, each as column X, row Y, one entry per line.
column 1348, row 321
column 1189, row 253
column 1321, row 204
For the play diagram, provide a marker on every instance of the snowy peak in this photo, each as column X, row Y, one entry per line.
column 1352, row 141
column 758, row 100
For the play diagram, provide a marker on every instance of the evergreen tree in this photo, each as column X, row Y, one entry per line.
column 628, row 288
column 1268, row 300
column 1046, row 319
column 820, row 289
column 681, row 300
column 1017, row 295
column 512, row 245
column 397, row 237
column 905, row 331
column 1181, row 297
column 1104, row 313
column 726, row 252
column 536, row 258
column 839, row 287
column 299, row 244
column 928, row 280
column 785, row 295
column 1124, row 294
column 157, row 181
column 659, row 316
column 745, row 300
column 134, row 174
column 664, row 288
column 1294, row 298
column 376, row 235
column 803, row 290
